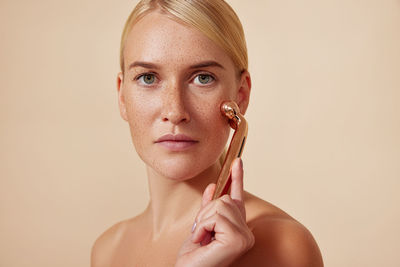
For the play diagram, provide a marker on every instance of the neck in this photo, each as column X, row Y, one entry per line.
column 174, row 204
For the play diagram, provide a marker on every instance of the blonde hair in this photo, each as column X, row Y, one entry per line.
column 214, row 18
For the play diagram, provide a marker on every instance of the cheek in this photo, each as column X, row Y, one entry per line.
column 210, row 107
column 139, row 114
column 208, row 114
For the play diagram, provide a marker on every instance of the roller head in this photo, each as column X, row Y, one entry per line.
column 231, row 110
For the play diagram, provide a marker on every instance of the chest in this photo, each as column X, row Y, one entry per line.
column 141, row 251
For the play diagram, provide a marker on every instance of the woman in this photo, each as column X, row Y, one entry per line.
column 179, row 60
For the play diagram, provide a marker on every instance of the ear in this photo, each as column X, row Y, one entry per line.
column 243, row 95
column 121, row 100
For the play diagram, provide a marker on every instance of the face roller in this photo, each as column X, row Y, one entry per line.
column 239, row 124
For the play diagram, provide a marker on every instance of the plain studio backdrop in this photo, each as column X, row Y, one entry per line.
column 324, row 126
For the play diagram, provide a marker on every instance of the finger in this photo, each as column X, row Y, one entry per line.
column 187, row 247
column 207, row 198
column 217, row 223
column 225, row 206
column 208, row 194
column 237, row 180
column 207, row 239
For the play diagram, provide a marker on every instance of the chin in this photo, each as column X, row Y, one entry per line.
column 181, row 169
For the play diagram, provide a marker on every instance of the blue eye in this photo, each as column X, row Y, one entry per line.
column 203, row 79
column 147, row 78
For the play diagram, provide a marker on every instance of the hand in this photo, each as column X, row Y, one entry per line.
column 221, row 234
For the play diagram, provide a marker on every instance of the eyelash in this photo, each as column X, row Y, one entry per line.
column 138, row 77
column 204, row 74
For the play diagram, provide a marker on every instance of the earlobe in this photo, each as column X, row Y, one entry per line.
column 243, row 95
column 121, row 100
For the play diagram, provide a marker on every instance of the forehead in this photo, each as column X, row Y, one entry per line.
column 159, row 39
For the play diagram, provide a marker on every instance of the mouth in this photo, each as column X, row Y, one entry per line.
column 178, row 142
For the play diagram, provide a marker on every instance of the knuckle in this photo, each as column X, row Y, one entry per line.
column 241, row 244
column 218, row 217
column 219, row 203
column 199, row 225
column 238, row 202
column 245, row 241
column 251, row 239
column 228, row 201
column 197, row 218
column 226, row 198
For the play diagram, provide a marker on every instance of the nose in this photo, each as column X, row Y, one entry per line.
column 174, row 108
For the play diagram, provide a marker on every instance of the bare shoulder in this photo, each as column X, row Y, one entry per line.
column 107, row 243
column 280, row 240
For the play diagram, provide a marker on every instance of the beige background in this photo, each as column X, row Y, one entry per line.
column 324, row 140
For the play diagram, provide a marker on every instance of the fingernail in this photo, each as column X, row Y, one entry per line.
column 194, row 226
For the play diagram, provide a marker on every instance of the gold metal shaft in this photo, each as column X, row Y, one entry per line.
column 235, row 150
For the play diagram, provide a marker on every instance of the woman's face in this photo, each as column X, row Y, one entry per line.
column 174, row 82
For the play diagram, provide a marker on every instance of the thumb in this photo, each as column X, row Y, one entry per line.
column 208, row 194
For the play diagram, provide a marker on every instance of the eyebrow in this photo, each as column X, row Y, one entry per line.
column 149, row 65
column 143, row 64
column 205, row 64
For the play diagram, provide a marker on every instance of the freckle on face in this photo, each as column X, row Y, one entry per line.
column 173, row 48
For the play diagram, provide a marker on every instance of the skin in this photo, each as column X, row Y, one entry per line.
column 167, row 92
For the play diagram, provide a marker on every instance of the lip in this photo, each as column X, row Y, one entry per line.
column 178, row 142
